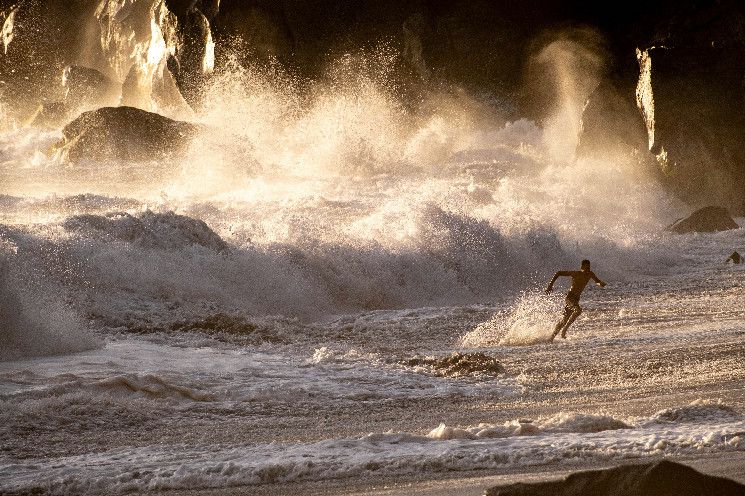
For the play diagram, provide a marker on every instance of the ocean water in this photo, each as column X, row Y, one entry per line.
column 315, row 292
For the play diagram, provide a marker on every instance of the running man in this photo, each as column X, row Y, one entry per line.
column 572, row 310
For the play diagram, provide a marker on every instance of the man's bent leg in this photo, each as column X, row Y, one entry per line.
column 560, row 325
column 576, row 313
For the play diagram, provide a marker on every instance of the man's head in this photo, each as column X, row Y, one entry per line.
column 585, row 265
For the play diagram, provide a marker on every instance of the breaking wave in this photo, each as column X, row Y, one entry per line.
column 148, row 229
column 34, row 318
column 152, row 386
column 132, row 268
column 562, row 422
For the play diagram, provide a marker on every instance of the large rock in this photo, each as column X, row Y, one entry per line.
column 696, row 120
column 707, row 219
column 123, row 134
column 663, row 478
column 42, row 38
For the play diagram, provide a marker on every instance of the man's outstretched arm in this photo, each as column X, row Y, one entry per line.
column 597, row 280
column 550, row 286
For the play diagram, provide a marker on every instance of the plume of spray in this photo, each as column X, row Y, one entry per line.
column 351, row 123
column 529, row 321
column 341, row 186
column 566, row 69
column 272, row 138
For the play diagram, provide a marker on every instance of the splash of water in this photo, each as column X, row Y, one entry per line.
column 529, row 321
column 575, row 63
column 338, row 195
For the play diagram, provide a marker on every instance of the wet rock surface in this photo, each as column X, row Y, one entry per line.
column 457, row 364
column 663, row 478
column 707, row 219
column 123, row 134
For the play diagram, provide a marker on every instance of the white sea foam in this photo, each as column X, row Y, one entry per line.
column 561, row 422
column 566, row 437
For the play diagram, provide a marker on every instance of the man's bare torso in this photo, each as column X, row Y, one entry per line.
column 580, row 279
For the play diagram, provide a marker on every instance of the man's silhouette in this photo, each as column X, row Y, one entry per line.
column 572, row 310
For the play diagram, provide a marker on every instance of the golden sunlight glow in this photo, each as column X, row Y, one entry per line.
column 644, row 96
column 7, row 32
column 208, row 63
column 156, row 46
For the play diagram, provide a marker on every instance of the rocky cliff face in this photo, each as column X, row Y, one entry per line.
column 476, row 44
column 692, row 76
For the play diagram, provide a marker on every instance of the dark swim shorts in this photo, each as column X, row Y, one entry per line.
column 571, row 304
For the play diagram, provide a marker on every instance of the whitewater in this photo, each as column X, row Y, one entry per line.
column 333, row 285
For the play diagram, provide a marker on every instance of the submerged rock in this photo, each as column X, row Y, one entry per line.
column 457, row 364
column 49, row 115
column 663, row 478
column 123, row 134
column 148, row 229
column 707, row 219
column 234, row 328
column 86, row 87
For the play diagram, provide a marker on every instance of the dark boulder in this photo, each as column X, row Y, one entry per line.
column 707, row 219
column 696, row 120
column 40, row 39
column 123, row 134
column 692, row 65
column 663, row 478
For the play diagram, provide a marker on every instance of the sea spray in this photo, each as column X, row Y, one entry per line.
column 529, row 321
column 34, row 318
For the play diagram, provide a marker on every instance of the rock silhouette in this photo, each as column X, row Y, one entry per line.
column 123, row 134
column 664, row 478
column 707, row 219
